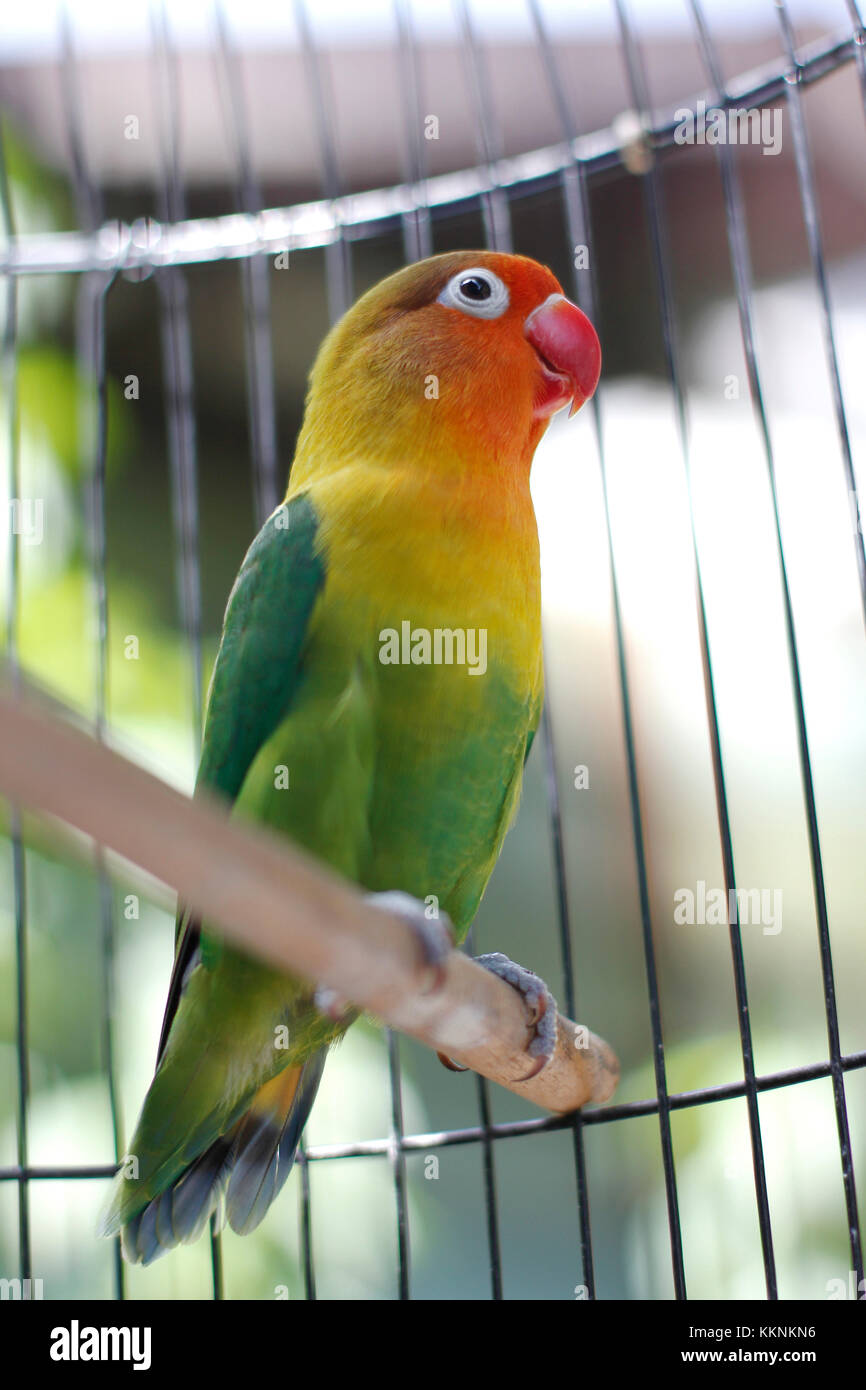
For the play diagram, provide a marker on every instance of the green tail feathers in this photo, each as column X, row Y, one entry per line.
column 159, row 1202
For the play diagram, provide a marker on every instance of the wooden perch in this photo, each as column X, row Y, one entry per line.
column 274, row 901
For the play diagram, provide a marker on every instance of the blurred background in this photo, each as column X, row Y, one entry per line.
column 196, row 112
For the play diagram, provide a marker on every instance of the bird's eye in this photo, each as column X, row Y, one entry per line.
column 475, row 287
column 476, row 291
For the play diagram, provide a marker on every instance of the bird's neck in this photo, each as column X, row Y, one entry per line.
column 483, row 452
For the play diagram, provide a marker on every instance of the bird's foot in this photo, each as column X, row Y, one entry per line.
column 539, row 1001
column 434, row 934
column 330, row 1004
column 450, row 1063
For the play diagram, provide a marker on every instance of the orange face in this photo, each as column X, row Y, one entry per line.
column 522, row 302
column 489, row 337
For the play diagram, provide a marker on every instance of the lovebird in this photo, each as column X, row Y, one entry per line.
column 374, row 698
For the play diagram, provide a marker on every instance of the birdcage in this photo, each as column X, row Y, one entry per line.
column 704, row 583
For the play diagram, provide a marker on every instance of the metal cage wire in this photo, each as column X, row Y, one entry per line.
column 97, row 254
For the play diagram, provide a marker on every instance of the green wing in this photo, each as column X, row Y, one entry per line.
column 258, row 663
column 255, row 678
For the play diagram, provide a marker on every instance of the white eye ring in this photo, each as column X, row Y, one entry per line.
column 492, row 307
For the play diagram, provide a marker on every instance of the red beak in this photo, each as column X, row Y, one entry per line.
column 570, row 354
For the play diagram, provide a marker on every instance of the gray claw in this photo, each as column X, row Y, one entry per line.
column 330, row 1004
column 536, row 996
column 435, row 935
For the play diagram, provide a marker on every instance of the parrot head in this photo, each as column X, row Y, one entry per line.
column 465, row 355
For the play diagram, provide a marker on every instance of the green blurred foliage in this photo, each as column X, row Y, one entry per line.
column 50, row 396
column 39, row 195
